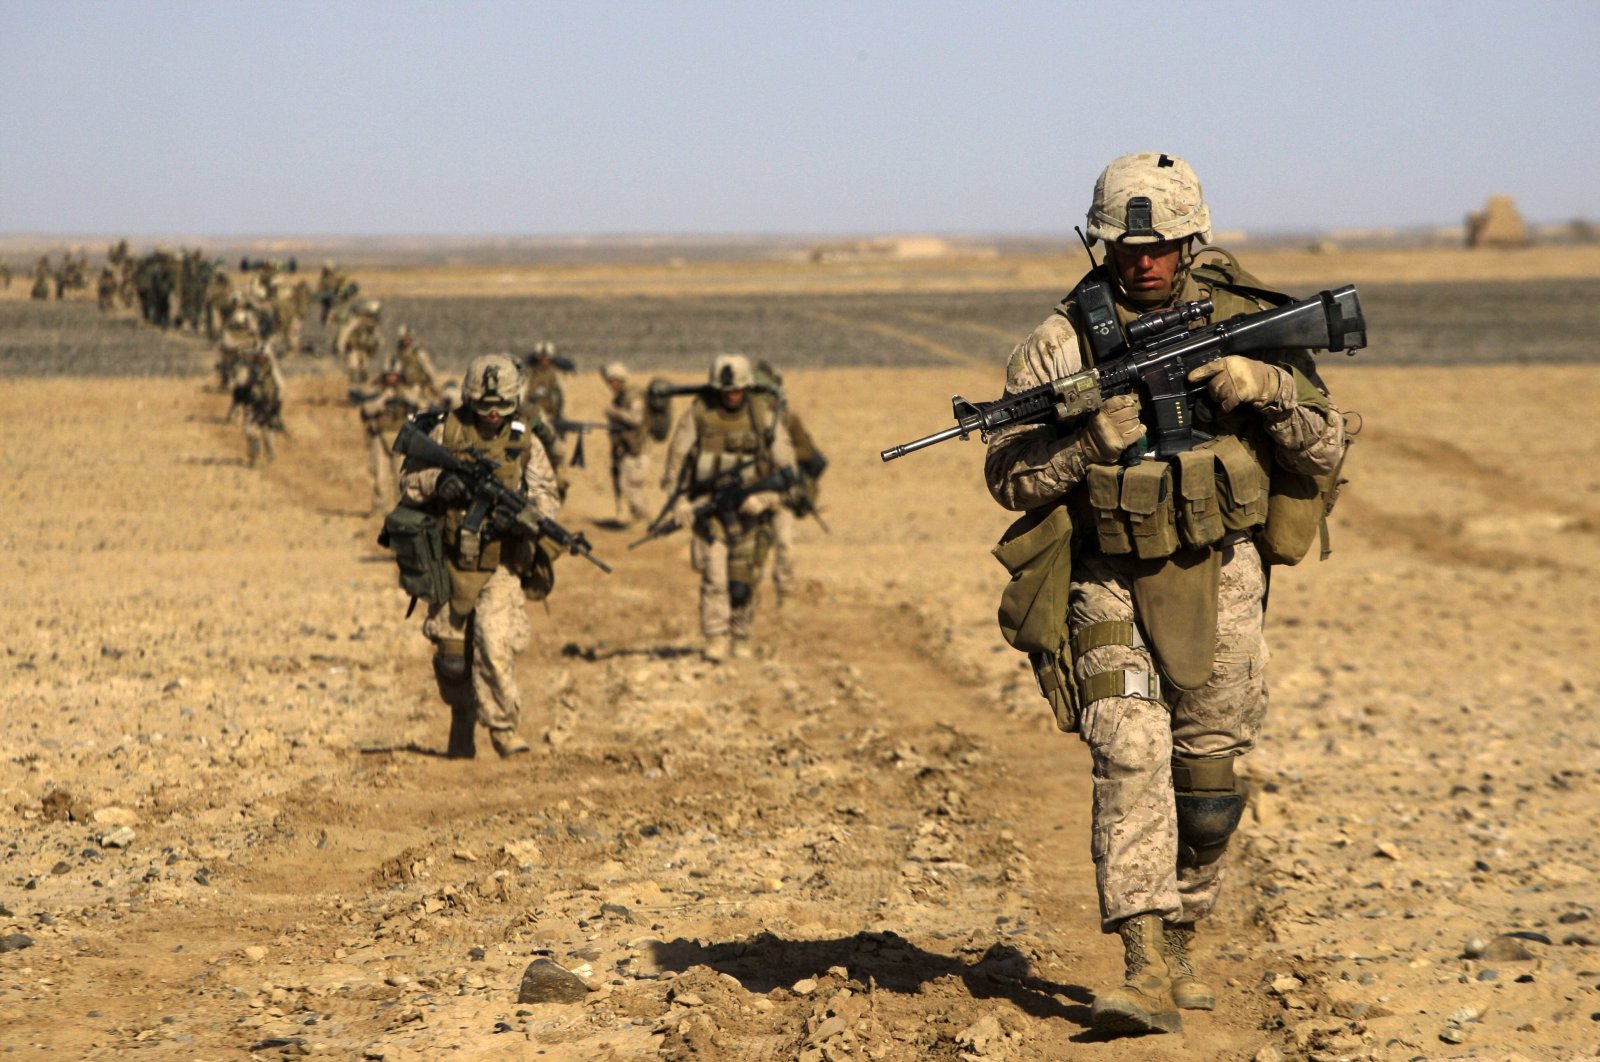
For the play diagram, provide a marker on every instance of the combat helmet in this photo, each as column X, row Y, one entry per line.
column 368, row 308
column 732, row 372
column 493, row 384
column 1148, row 197
column 614, row 370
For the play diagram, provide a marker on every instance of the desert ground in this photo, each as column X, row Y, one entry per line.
column 230, row 830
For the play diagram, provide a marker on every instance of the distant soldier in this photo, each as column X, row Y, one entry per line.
column 544, row 381
column 5, row 274
column 258, row 390
column 127, row 286
column 105, row 290
column 241, row 337
column 219, row 295
column 798, row 503
column 41, row 278
column 493, row 571
column 359, row 342
column 722, row 447
column 330, row 289
column 117, row 253
column 289, row 305
column 381, row 416
column 415, row 366
column 194, row 290
column 626, row 417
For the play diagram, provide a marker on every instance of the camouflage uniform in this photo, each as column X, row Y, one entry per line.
column 629, row 465
column 258, row 389
column 359, row 341
column 726, row 548
column 418, row 375
column 810, row 464
column 381, row 416
column 1141, row 736
column 478, row 633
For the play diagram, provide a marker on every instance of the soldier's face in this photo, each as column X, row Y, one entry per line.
column 1147, row 268
column 732, row 399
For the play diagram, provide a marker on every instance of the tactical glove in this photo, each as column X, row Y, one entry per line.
column 502, row 521
column 451, row 489
column 682, row 513
column 1236, row 379
column 1114, row 427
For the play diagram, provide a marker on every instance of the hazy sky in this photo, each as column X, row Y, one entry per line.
column 702, row 116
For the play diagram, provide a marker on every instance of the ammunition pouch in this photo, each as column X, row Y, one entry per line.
column 1155, row 508
column 1209, row 807
column 417, row 540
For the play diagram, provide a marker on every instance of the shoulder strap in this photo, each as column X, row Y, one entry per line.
column 1231, row 276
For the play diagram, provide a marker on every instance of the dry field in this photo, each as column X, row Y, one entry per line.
column 230, row 828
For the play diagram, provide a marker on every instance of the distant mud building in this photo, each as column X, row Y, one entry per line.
column 1498, row 225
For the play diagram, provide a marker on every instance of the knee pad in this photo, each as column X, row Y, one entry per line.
column 739, row 593
column 452, row 673
column 1209, row 807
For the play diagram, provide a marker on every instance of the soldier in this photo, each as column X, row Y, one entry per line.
column 626, row 418
column 416, row 369
column 1163, row 641
column 219, row 293
column 5, row 273
column 798, row 503
column 544, row 381
column 258, row 390
column 381, row 416
column 725, row 440
column 359, row 341
column 105, row 290
column 479, row 631
column 41, row 278
column 241, row 336
column 330, row 286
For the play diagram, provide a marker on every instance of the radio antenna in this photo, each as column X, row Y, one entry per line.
column 1087, row 247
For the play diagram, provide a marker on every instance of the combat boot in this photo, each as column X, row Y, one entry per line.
column 739, row 649
column 507, row 742
column 463, row 728
column 1143, row 1002
column 715, row 649
column 1188, row 990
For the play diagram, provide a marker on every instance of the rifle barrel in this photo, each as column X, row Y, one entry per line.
column 914, row 445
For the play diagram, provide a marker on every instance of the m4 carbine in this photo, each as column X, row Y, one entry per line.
column 582, row 428
column 727, row 493
column 1158, row 353
column 490, row 495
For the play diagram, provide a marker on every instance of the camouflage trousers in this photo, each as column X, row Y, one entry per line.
column 627, row 483
column 498, row 630
column 1132, row 740
column 729, row 563
column 257, row 440
column 384, row 464
column 783, row 521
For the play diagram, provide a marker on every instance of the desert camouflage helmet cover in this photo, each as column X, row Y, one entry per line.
column 368, row 308
column 732, row 372
column 1146, row 198
column 614, row 370
column 493, row 381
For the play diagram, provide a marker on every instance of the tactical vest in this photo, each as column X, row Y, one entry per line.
column 1155, row 508
column 412, row 374
column 629, row 441
column 544, row 390
column 471, row 562
column 393, row 413
column 726, row 440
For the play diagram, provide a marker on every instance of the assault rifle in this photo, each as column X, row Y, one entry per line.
column 583, row 428
column 489, row 494
column 1155, row 356
column 727, row 494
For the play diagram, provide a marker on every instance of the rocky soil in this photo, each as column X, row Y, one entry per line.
column 230, row 829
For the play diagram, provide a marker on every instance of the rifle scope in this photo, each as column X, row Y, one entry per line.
column 1153, row 324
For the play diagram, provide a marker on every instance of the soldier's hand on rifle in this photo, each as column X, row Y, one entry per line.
column 758, row 504
column 1114, row 427
column 452, row 489
column 501, row 522
column 1236, row 379
column 682, row 513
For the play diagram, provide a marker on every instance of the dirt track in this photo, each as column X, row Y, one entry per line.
column 868, row 843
